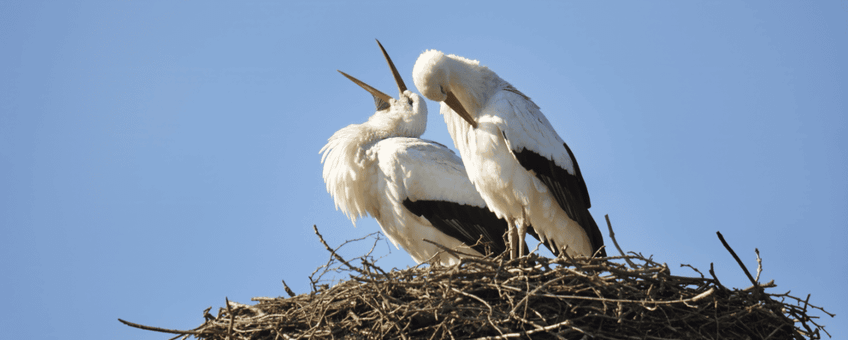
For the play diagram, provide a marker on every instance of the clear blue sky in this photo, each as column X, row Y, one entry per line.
column 156, row 157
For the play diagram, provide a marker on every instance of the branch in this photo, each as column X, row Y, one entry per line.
column 333, row 252
column 162, row 330
column 612, row 236
column 745, row 269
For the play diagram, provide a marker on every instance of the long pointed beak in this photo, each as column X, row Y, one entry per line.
column 401, row 86
column 381, row 100
column 456, row 106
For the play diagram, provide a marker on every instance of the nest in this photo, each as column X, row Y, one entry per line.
column 621, row 297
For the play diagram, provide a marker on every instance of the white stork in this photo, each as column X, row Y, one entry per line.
column 416, row 189
column 519, row 164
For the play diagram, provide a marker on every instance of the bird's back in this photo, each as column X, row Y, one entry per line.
column 428, row 180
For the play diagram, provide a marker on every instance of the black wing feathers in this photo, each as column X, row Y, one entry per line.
column 463, row 222
column 582, row 184
column 569, row 190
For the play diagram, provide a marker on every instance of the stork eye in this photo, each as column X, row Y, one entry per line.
column 441, row 89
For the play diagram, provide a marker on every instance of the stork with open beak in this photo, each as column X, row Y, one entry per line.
column 416, row 189
column 519, row 164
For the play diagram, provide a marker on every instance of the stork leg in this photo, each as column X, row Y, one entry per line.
column 522, row 233
column 513, row 240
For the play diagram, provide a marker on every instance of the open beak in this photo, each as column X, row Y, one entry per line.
column 451, row 100
column 401, row 86
column 456, row 106
column 381, row 100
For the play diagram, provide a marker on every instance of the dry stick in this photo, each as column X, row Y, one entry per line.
column 373, row 246
column 185, row 336
column 693, row 268
column 641, row 302
column 333, row 252
column 162, row 330
column 806, row 303
column 564, row 252
column 715, row 316
column 288, row 290
column 526, row 296
column 745, row 269
column 539, row 244
column 475, row 297
column 330, row 261
column 715, row 278
column 612, row 236
column 232, row 319
column 532, row 331
column 772, row 333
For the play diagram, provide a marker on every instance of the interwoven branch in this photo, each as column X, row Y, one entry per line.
column 619, row 297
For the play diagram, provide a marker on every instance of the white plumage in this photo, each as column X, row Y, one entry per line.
column 416, row 189
column 519, row 164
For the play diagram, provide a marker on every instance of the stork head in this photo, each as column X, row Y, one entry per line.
column 405, row 116
column 441, row 78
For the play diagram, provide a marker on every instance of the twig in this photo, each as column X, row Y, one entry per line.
column 491, row 310
column 693, row 268
column 612, row 236
column 651, row 302
column 745, row 269
column 288, row 290
column 333, row 252
column 161, row 330
column 715, row 278
column 522, row 334
column 232, row 319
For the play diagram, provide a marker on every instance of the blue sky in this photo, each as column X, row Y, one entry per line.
column 157, row 157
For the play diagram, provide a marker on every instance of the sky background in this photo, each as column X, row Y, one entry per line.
column 159, row 156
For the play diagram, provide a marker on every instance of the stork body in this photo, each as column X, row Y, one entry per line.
column 416, row 189
column 513, row 156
